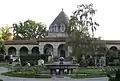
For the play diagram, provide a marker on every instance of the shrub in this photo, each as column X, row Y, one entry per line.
column 117, row 76
column 32, row 59
column 1, row 57
column 1, row 80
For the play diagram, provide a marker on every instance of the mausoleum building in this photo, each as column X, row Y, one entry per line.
column 53, row 44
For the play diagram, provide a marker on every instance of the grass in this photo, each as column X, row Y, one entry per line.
column 26, row 75
column 2, row 64
column 86, row 76
column 88, row 73
column 78, row 73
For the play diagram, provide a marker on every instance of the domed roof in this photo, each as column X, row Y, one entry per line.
column 62, row 18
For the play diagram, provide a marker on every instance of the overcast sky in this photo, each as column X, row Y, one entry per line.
column 108, row 14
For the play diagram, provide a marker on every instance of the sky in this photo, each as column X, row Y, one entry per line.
column 45, row 11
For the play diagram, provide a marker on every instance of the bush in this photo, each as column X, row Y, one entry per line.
column 116, row 78
column 1, row 80
column 32, row 59
column 1, row 57
column 7, row 58
column 118, row 73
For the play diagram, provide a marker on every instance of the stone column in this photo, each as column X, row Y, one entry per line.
column 55, row 51
column 6, row 52
column 104, row 61
column 95, row 61
column 17, row 53
column 41, row 48
column 69, row 50
column 71, row 70
column 29, row 52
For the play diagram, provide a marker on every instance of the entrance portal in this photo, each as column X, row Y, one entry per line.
column 62, row 53
column 61, row 50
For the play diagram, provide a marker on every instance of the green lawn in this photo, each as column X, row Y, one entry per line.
column 88, row 73
column 3, row 64
column 26, row 75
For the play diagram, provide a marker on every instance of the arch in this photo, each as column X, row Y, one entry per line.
column 23, row 51
column 113, row 51
column 35, row 50
column 113, row 48
column 62, row 50
column 48, row 49
column 12, row 51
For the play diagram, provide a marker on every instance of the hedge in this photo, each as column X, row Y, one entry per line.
column 32, row 58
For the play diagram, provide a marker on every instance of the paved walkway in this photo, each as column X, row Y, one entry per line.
column 2, row 69
column 6, row 78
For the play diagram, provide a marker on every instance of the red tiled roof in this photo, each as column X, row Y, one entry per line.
column 48, row 39
column 52, row 39
column 20, row 42
column 112, row 41
column 33, row 42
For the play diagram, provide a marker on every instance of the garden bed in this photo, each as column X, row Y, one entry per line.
column 26, row 75
column 28, row 72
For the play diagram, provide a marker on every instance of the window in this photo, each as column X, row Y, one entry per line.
column 62, row 27
column 55, row 28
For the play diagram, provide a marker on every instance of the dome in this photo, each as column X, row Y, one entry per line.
column 61, row 20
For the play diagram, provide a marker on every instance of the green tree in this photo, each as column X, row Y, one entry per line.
column 29, row 30
column 2, row 47
column 81, row 30
column 5, row 33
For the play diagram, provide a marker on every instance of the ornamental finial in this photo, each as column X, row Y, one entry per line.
column 62, row 9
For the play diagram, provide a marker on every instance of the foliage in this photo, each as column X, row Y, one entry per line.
column 81, row 31
column 1, row 80
column 29, row 72
column 29, row 30
column 2, row 48
column 117, row 76
column 112, row 60
column 5, row 33
column 31, row 58
column 99, row 47
column 82, row 19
